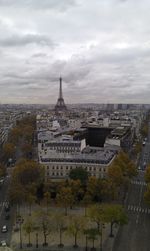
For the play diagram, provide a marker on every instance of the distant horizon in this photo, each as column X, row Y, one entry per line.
column 75, row 104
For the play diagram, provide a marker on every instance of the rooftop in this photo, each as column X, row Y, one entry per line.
column 88, row 155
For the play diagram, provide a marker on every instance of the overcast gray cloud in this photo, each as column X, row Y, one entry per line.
column 101, row 48
column 38, row 4
column 22, row 40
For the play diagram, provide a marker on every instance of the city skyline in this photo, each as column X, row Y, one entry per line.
column 100, row 48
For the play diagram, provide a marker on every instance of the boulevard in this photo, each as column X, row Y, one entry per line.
column 8, row 222
column 135, row 235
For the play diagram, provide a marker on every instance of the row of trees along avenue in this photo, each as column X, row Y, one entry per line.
column 20, row 138
column 27, row 176
column 90, row 227
column 147, row 192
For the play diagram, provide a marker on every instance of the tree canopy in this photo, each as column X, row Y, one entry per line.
column 147, row 192
column 26, row 177
column 8, row 151
column 79, row 174
column 65, row 198
column 28, row 172
column 147, row 174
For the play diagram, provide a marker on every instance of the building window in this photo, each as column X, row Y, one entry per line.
column 57, row 174
column 67, row 167
column 53, row 174
column 61, row 174
column 53, row 167
column 61, row 167
column 47, row 167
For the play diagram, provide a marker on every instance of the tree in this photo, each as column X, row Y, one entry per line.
column 144, row 129
column 138, row 148
column 30, row 199
column 28, row 133
column 97, row 214
column 24, row 130
column 61, row 225
column 2, row 170
column 94, row 188
column 79, row 174
column 109, row 190
column 147, row 192
column 47, row 198
column 147, row 174
column 17, row 195
column 29, row 228
column 65, row 198
column 76, row 226
column 115, row 175
column 92, row 235
column 15, row 135
column 45, row 224
column 27, row 175
column 147, row 195
column 76, row 189
column 121, row 171
column 115, row 214
column 27, row 150
column 8, row 151
column 87, row 200
column 28, row 172
column 127, row 166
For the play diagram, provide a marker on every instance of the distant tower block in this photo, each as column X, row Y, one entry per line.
column 60, row 106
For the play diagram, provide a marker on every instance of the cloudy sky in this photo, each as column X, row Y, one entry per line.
column 101, row 48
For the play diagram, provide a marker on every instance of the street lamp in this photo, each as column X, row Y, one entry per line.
column 37, row 240
column 86, row 239
column 101, row 238
column 86, row 242
column 20, row 223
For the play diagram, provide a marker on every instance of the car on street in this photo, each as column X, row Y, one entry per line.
column 3, row 243
column 4, row 229
column 1, row 182
column 143, row 143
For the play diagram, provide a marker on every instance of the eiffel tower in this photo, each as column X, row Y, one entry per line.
column 60, row 106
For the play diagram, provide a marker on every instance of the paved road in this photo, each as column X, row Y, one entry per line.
column 3, row 198
column 135, row 236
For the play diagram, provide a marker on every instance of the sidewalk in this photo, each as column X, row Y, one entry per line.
column 108, row 244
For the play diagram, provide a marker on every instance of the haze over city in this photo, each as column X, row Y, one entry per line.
column 100, row 48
